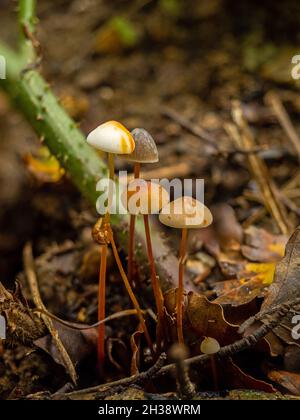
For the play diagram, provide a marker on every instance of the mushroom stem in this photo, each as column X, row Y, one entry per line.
column 101, row 305
column 102, row 273
column 111, row 169
column 131, row 294
column 159, row 300
column 214, row 371
column 137, row 170
column 180, row 289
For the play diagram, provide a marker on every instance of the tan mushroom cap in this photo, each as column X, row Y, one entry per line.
column 112, row 137
column 186, row 212
column 210, row 346
column 145, row 148
column 144, row 197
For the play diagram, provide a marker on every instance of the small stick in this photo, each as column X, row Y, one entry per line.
column 274, row 100
column 105, row 389
column 258, row 168
column 33, row 285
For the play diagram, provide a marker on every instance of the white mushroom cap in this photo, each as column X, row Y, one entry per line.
column 112, row 137
column 145, row 148
column 210, row 346
column 185, row 212
column 144, row 197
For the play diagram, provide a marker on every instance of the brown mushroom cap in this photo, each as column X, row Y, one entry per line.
column 144, row 197
column 209, row 346
column 145, row 148
column 185, row 212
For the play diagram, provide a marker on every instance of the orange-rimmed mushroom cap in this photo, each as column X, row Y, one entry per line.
column 185, row 212
column 112, row 137
column 144, row 197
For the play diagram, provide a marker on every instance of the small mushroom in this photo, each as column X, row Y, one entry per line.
column 211, row 346
column 179, row 353
column 145, row 148
column 145, row 152
column 111, row 137
column 184, row 213
column 145, row 197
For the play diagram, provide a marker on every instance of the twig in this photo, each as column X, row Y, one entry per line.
column 199, row 132
column 258, row 168
column 282, row 308
column 274, row 100
column 33, row 285
column 103, row 391
column 189, row 126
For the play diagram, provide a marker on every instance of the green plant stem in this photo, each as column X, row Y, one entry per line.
column 27, row 13
column 27, row 20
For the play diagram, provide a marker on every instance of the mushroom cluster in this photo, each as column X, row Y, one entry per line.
column 143, row 198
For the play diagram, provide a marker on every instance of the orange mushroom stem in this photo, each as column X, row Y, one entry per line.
column 184, row 213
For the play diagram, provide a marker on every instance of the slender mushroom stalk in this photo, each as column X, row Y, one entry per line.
column 137, row 170
column 145, row 152
column 179, row 353
column 144, row 197
column 211, row 346
column 113, row 138
column 184, row 213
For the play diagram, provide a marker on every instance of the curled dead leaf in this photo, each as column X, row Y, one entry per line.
column 207, row 319
column 135, row 342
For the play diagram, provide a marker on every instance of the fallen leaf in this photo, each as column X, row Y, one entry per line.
column 262, row 246
column 235, row 378
column 76, row 106
column 201, row 318
column 78, row 343
column 116, row 35
column 289, row 381
column 255, row 279
column 207, row 319
column 286, row 287
column 44, row 166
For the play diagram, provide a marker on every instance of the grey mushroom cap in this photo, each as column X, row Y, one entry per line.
column 145, row 148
